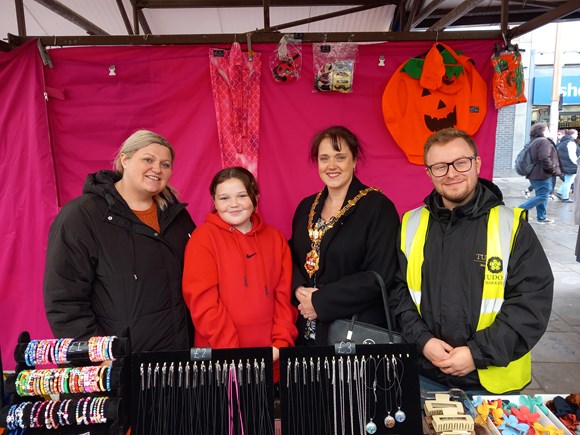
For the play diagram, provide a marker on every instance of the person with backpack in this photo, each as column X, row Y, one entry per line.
column 568, row 152
column 546, row 166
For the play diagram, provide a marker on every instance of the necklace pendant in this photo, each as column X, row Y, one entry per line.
column 400, row 416
column 389, row 421
column 371, row 427
column 312, row 260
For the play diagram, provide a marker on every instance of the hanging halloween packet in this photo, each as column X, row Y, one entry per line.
column 334, row 66
column 286, row 60
column 508, row 79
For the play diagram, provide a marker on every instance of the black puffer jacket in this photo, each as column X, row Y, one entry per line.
column 452, row 286
column 568, row 167
column 107, row 270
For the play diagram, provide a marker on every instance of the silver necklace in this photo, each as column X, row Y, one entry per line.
column 334, row 393
column 371, row 427
column 341, row 393
column 389, row 419
column 399, row 415
column 349, row 385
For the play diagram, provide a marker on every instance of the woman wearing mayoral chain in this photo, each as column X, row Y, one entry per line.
column 339, row 235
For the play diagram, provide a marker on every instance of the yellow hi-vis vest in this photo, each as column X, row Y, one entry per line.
column 502, row 226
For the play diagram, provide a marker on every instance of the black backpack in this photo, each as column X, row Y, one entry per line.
column 524, row 163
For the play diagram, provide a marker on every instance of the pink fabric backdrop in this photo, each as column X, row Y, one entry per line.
column 28, row 195
column 168, row 90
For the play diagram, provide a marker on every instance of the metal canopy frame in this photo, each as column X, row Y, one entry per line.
column 410, row 15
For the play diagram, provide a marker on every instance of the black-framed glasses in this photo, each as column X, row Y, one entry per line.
column 463, row 164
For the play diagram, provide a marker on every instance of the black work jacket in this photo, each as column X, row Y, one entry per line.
column 106, row 270
column 452, row 286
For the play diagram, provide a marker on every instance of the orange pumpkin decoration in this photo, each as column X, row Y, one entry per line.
column 427, row 95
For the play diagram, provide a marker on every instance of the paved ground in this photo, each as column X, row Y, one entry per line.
column 556, row 358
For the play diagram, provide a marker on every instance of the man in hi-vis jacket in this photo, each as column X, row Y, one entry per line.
column 475, row 290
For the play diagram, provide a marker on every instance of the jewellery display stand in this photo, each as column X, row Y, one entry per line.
column 91, row 397
column 203, row 391
column 350, row 389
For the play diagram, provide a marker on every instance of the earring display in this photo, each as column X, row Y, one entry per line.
column 225, row 391
column 350, row 390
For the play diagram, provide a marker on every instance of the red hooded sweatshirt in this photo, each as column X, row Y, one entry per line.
column 237, row 286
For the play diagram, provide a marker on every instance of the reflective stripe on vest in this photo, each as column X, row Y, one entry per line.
column 502, row 226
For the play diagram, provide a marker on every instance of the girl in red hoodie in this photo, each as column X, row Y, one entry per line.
column 238, row 272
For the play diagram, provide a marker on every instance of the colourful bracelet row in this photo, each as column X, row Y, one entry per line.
column 82, row 380
column 56, row 351
column 101, row 348
column 51, row 414
column 41, row 352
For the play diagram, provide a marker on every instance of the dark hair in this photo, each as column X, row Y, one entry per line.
column 336, row 134
column 447, row 135
column 537, row 130
column 241, row 174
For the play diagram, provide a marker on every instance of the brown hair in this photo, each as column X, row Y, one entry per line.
column 447, row 135
column 141, row 139
column 241, row 174
column 537, row 130
column 335, row 134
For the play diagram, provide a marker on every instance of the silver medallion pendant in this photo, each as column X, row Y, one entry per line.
column 400, row 416
column 389, row 421
column 371, row 427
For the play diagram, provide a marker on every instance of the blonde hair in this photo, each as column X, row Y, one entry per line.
column 141, row 139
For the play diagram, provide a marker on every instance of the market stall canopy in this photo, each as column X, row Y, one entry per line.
column 121, row 22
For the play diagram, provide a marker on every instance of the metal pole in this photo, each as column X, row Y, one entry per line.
column 556, row 83
column 530, row 105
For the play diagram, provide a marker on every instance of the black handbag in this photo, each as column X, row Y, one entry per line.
column 345, row 330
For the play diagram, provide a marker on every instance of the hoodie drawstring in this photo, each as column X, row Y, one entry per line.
column 233, row 231
column 262, row 262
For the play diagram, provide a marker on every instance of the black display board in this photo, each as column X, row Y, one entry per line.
column 203, row 391
column 35, row 406
column 337, row 389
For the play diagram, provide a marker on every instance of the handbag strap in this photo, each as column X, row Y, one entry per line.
column 379, row 278
column 385, row 303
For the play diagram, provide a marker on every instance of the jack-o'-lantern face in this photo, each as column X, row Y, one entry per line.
column 438, row 115
column 422, row 98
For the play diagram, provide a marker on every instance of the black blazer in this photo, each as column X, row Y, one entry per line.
column 363, row 239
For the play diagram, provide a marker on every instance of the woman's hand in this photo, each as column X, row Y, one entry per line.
column 275, row 353
column 304, row 296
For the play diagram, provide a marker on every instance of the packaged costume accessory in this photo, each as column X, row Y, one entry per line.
column 508, row 77
column 334, row 66
column 344, row 330
column 286, row 60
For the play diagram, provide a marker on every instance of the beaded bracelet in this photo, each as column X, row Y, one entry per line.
column 49, row 422
column 30, row 353
column 63, row 412
column 62, row 351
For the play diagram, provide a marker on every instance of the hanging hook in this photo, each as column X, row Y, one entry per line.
column 249, row 41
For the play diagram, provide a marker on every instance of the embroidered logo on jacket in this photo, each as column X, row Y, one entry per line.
column 495, row 265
